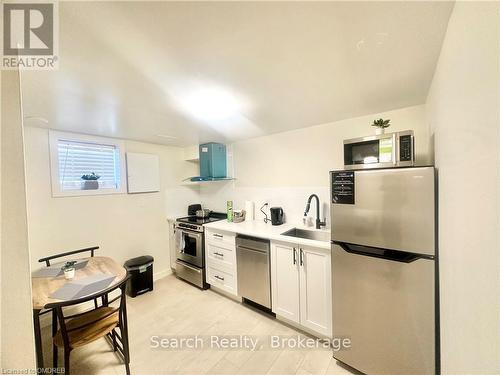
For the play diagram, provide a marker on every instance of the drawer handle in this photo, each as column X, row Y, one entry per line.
column 218, row 235
column 219, row 254
column 218, row 277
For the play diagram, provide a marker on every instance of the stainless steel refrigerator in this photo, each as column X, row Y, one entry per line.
column 385, row 269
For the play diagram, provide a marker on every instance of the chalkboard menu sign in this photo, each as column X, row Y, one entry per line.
column 343, row 187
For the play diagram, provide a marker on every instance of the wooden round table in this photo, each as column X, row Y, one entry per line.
column 43, row 287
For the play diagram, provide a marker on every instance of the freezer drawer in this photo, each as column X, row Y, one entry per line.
column 387, row 208
column 387, row 309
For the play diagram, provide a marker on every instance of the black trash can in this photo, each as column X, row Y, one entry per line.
column 140, row 270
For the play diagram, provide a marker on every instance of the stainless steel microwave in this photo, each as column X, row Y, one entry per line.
column 380, row 151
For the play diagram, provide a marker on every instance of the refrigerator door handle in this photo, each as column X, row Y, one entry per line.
column 376, row 252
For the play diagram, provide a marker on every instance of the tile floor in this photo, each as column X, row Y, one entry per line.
column 177, row 309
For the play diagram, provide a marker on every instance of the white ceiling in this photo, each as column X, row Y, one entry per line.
column 127, row 69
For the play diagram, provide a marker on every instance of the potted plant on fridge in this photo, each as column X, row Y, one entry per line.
column 381, row 125
column 90, row 181
column 69, row 269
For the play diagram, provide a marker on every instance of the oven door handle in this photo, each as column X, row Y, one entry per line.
column 198, row 236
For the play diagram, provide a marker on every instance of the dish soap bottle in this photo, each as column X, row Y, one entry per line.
column 229, row 211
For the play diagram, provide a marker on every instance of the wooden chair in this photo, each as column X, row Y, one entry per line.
column 80, row 329
column 54, row 317
column 61, row 255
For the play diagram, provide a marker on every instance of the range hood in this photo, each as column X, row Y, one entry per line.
column 213, row 163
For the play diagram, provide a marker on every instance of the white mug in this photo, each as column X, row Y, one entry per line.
column 69, row 274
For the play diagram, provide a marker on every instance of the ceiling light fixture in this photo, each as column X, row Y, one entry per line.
column 210, row 105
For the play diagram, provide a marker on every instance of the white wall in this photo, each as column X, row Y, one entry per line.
column 123, row 225
column 463, row 110
column 285, row 168
column 17, row 344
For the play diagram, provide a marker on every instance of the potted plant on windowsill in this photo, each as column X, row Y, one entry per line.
column 90, row 181
column 69, row 269
column 381, row 125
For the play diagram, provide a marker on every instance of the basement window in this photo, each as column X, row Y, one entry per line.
column 85, row 165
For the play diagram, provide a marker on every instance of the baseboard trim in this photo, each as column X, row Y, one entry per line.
column 225, row 294
column 160, row 275
column 301, row 328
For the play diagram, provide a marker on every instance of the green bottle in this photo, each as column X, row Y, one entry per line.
column 229, row 211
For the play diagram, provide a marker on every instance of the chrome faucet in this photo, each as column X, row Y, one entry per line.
column 319, row 223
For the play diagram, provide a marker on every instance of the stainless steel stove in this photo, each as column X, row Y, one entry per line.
column 190, row 247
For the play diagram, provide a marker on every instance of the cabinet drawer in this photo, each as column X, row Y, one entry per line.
column 221, row 266
column 220, row 237
column 222, row 253
column 222, row 279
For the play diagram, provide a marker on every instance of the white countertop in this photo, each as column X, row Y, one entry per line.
column 273, row 232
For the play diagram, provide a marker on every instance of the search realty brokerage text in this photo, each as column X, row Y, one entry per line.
column 201, row 342
column 245, row 342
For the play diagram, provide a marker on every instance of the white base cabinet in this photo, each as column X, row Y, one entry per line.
column 285, row 281
column 220, row 261
column 301, row 286
column 316, row 290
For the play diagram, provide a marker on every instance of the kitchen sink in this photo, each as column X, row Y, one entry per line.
column 308, row 234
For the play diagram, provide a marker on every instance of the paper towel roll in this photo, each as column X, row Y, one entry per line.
column 250, row 210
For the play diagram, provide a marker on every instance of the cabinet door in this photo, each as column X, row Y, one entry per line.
column 285, row 281
column 315, row 290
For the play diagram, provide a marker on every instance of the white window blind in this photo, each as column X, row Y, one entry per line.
column 79, row 158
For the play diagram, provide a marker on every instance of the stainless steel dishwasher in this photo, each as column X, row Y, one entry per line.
column 254, row 272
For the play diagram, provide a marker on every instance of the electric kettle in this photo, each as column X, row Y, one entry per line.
column 276, row 215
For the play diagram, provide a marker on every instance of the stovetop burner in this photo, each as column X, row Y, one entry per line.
column 214, row 216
